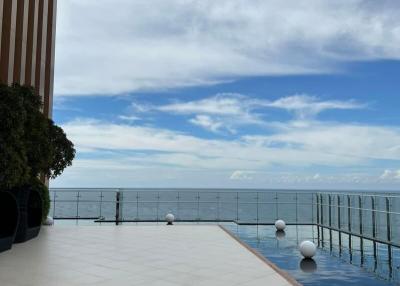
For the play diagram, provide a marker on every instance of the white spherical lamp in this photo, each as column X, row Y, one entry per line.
column 170, row 218
column 49, row 221
column 308, row 249
column 280, row 224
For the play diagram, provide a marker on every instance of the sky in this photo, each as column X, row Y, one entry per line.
column 230, row 93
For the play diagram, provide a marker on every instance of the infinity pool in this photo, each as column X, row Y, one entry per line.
column 350, row 264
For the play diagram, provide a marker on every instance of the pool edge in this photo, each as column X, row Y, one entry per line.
column 278, row 270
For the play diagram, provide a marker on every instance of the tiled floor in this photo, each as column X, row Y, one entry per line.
column 134, row 255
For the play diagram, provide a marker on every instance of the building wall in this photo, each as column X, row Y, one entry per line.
column 27, row 41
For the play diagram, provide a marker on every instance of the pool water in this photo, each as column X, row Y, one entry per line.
column 333, row 265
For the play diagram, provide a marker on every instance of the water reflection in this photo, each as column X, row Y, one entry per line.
column 280, row 234
column 308, row 265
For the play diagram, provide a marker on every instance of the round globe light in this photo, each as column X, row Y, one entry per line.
column 308, row 249
column 170, row 218
column 280, row 224
column 49, row 221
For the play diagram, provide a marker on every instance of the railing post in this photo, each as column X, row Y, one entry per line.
column 198, row 206
column 137, row 206
column 318, row 219
column 374, row 225
column 117, row 207
column 339, row 224
column 330, row 221
column 101, row 204
column 158, row 206
column 297, row 210
column 77, row 205
column 389, row 234
column 349, row 224
column 237, row 207
column 218, row 210
column 322, row 219
column 276, row 206
column 178, row 206
column 360, row 217
column 257, row 219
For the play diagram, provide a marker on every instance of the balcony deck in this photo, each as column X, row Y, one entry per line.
column 135, row 255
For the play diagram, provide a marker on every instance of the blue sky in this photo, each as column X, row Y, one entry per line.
column 217, row 96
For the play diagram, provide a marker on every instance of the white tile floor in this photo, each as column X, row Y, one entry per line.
column 134, row 255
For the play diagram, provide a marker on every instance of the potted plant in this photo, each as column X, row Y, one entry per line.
column 31, row 146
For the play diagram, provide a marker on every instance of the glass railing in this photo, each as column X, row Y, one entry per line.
column 249, row 207
column 370, row 215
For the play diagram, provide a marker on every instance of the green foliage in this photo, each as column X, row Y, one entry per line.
column 14, row 168
column 37, row 185
column 30, row 143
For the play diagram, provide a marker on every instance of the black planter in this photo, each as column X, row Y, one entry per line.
column 30, row 214
column 9, row 218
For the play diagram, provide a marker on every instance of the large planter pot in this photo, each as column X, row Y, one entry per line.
column 9, row 218
column 30, row 211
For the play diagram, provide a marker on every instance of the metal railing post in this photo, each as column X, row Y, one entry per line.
column 318, row 219
column 257, row 219
column 137, row 206
column 339, row 224
column 237, row 206
column 117, row 207
column 322, row 219
column 158, row 207
column 349, row 223
column 360, row 217
column 198, row 206
column 389, row 234
column 297, row 209
column 218, row 210
column 374, row 225
column 77, row 205
column 178, row 206
column 330, row 221
column 101, row 204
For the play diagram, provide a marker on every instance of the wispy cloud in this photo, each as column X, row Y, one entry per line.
column 228, row 111
column 305, row 106
column 190, row 43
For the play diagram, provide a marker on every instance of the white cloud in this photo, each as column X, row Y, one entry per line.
column 226, row 111
column 159, row 44
column 207, row 122
column 390, row 175
column 332, row 145
column 241, row 175
column 306, row 106
column 129, row 118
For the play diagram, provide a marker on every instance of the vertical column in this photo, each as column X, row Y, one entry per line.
column 1, row 20
column 7, row 51
column 41, row 47
column 50, row 58
column 31, row 42
column 20, row 41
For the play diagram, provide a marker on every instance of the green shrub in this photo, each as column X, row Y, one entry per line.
column 30, row 144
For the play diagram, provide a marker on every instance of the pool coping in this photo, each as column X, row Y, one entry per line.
column 281, row 272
